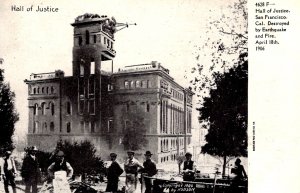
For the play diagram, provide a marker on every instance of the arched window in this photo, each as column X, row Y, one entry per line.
column 43, row 89
column 52, row 89
column 35, row 109
column 35, row 127
column 52, row 126
column 47, row 90
column 51, row 106
column 34, row 90
column 43, row 108
column 45, row 127
column 69, row 110
column 68, row 127
column 38, row 90
column 87, row 37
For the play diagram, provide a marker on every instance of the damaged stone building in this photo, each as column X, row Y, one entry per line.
column 99, row 106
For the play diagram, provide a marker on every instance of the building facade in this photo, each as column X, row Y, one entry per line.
column 100, row 106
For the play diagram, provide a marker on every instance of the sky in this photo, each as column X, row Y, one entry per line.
column 166, row 31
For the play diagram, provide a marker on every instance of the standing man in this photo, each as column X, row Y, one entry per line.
column 113, row 173
column 30, row 170
column 8, row 172
column 60, row 165
column 149, row 170
column 189, row 168
column 131, row 167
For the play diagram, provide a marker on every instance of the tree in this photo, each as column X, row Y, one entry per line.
column 226, row 112
column 220, row 82
column 134, row 138
column 82, row 157
column 8, row 114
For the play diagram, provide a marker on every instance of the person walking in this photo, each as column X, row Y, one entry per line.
column 30, row 171
column 113, row 173
column 189, row 168
column 149, row 171
column 8, row 172
column 131, row 168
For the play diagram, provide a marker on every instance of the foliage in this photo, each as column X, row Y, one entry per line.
column 226, row 112
column 220, row 81
column 82, row 157
column 8, row 114
column 134, row 138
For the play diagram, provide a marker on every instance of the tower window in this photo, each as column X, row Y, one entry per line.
column 126, row 84
column 47, row 90
column 95, row 39
column 35, row 127
column 132, row 85
column 109, row 125
column 45, row 127
column 81, row 70
column 147, row 107
column 34, row 90
column 35, row 109
column 79, row 40
column 87, row 37
column 43, row 90
column 68, row 127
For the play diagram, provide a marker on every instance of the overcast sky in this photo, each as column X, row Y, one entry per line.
column 166, row 31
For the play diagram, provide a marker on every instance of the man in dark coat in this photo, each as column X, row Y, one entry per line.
column 30, row 171
column 189, row 168
column 149, row 170
column 113, row 173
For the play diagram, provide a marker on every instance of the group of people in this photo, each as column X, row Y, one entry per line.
column 132, row 167
column 30, row 171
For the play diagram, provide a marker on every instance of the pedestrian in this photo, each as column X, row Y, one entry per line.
column 60, row 165
column 30, row 171
column 131, row 166
column 113, row 173
column 149, row 171
column 240, row 175
column 189, row 168
column 8, row 172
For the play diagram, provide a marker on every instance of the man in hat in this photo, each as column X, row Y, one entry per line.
column 30, row 170
column 60, row 165
column 149, row 171
column 131, row 167
column 189, row 168
column 113, row 173
column 8, row 172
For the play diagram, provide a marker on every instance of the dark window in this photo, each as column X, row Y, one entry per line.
column 47, row 90
column 34, row 91
column 81, row 86
column 35, row 109
column 43, row 108
column 80, row 40
column 69, row 108
column 42, row 89
column 95, row 38
column 38, row 90
column 81, row 106
column 109, row 125
column 87, row 37
column 68, row 127
column 127, row 107
column 148, row 107
column 91, row 86
column 52, row 126
column 52, row 89
column 52, row 108
column 45, row 127
column 92, row 106
column 92, row 127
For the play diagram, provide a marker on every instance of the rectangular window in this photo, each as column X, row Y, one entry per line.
column 109, row 125
column 81, row 106
column 81, row 70
column 82, row 126
column 93, row 67
column 92, row 127
column 92, row 106
column 91, row 87
column 148, row 107
column 81, row 86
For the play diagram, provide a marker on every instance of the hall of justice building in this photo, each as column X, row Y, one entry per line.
column 101, row 107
